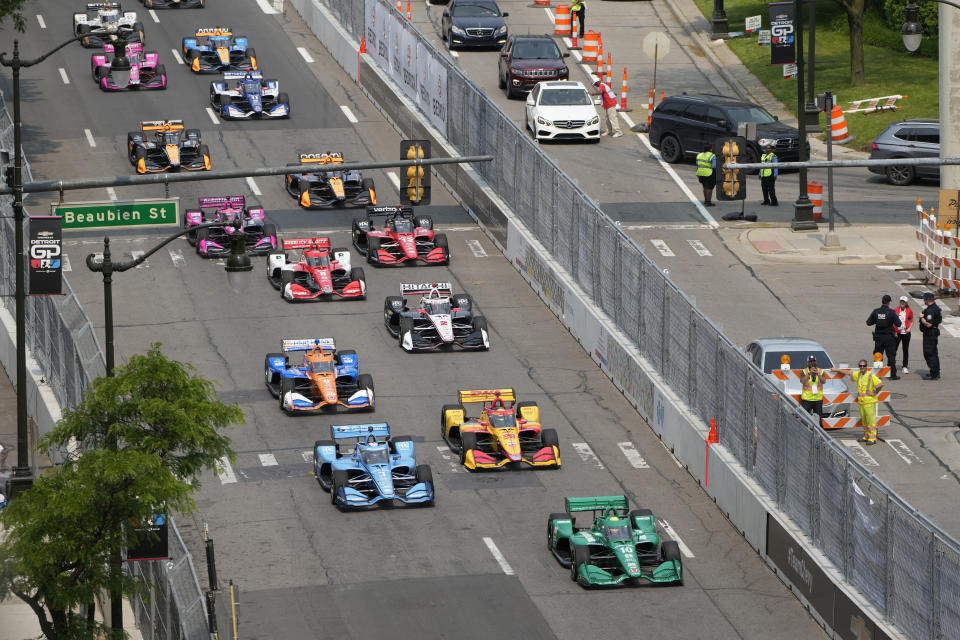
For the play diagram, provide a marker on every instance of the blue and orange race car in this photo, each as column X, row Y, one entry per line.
column 327, row 378
column 215, row 49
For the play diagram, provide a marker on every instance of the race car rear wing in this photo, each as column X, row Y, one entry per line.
column 161, row 125
column 600, row 503
column 218, row 201
column 423, row 288
column 220, row 32
column 487, row 395
column 307, row 243
column 102, row 5
column 240, row 75
column 347, row 431
column 334, row 157
column 306, row 344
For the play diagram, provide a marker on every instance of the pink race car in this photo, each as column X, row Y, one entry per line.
column 145, row 72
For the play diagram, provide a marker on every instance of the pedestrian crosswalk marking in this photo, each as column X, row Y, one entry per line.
column 662, row 247
column 225, row 471
column 860, row 453
column 586, row 454
column 700, row 248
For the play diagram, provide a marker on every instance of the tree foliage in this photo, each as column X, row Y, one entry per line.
column 13, row 9
column 146, row 433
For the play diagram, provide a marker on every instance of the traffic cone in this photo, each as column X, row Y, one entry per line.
column 599, row 58
column 661, row 95
column 650, row 107
column 363, row 45
column 399, row 7
column 409, row 15
column 623, row 93
column 609, row 67
column 574, row 31
column 838, row 126
column 712, row 437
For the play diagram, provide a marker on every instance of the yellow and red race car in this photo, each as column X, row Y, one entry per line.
column 504, row 434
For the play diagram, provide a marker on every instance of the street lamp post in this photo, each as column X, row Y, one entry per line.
column 720, row 27
column 803, row 207
column 22, row 472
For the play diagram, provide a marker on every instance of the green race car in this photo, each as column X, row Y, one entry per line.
column 618, row 545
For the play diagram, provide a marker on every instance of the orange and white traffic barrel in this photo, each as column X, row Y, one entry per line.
column 838, row 126
column 561, row 20
column 591, row 40
column 815, row 191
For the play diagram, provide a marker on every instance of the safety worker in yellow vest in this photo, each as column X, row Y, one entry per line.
column 707, row 173
column 868, row 387
column 579, row 7
column 768, row 177
column 811, row 397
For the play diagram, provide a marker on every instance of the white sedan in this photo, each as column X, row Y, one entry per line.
column 562, row 110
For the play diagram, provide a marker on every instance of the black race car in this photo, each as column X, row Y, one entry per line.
column 328, row 186
column 164, row 145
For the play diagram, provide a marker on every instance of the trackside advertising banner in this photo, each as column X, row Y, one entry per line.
column 782, row 33
column 46, row 248
column 408, row 61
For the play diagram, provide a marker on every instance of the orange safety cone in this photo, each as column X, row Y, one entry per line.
column 838, row 126
column 661, row 95
column 711, row 439
column 609, row 67
column 650, row 107
column 399, row 7
column 623, row 93
column 409, row 15
column 599, row 57
column 363, row 46
column 574, row 31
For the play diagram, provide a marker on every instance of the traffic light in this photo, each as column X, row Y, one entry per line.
column 416, row 191
column 731, row 183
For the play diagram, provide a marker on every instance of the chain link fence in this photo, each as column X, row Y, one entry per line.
column 65, row 346
column 907, row 568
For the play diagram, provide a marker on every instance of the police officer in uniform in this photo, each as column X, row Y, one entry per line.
column 707, row 173
column 883, row 319
column 811, row 397
column 930, row 320
column 768, row 178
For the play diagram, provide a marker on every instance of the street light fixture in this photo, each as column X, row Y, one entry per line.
column 912, row 30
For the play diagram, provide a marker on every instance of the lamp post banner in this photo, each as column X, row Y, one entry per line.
column 46, row 275
column 782, row 30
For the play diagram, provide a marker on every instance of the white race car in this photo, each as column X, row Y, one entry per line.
column 107, row 16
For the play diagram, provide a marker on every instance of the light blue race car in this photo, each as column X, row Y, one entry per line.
column 378, row 468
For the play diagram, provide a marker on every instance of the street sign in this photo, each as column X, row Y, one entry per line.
column 656, row 44
column 118, row 214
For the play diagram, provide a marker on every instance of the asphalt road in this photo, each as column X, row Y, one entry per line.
column 306, row 569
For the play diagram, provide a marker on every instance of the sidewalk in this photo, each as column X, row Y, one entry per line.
column 890, row 245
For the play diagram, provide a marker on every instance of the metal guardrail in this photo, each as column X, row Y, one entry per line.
column 906, row 567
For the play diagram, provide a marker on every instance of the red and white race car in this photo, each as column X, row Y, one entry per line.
column 318, row 274
column 394, row 235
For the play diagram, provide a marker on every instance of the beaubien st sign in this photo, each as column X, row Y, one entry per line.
column 118, row 214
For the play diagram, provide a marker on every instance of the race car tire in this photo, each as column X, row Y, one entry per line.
column 468, row 442
column 100, row 73
column 406, row 326
column 357, row 275
column 462, row 301
column 84, row 29
column 132, row 146
column 141, row 35
column 340, row 479
column 270, row 231
column 392, row 308
column 479, row 322
column 148, row 4
column 251, row 54
column 269, row 375
column 337, row 250
column 204, row 152
column 365, row 381
column 548, row 438
column 344, row 352
column 425, row 222
column 440, row 240
column 443, row 420
column 193, row 134
column 373, row 249
column 188, row 54
column 670, row 149
column 323, row 478
column 579, row 555
column 138, row 154
column 421, row 474
column 283, row 98
column 160, row 72
column 202, row 234
column 556, row 516
column 392, row 444
column 671, row 551
column 286, row 385
column 525, row 403
column 640, row 512
column 286, row 277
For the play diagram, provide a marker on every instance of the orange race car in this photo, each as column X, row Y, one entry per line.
column 502, row 435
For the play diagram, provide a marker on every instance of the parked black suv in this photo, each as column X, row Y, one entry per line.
column 917, row 138
column 683, row 124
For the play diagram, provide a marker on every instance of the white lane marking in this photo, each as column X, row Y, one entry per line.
column 673, row 174
column 446, row 454
column 65, row 263
column 550, row 17
column 307, row 456
column 887, row 267
column 136, row 255
column 507, row 569
column 176, row 56
column 267, row 459
column 253, row 187
column 576, row 54
column 670, row 227
column 633, row 456
column 177, row 256
column 266, row 7
column 213, row 116
column 305, row 54
column 454, row 54
column 111, row 193
column 346, row 111
column 700, row 248
column 860, row 453
column 153, row 14
column 662, row 247
column 226, row 472
column 395, row 179
column 63, row 75
column 591, row 71
column 43, row 25
column 90, row 139
column 901, row 449
column 675, row 458
column 476, row 248
column 586, row 453
column 684, row 549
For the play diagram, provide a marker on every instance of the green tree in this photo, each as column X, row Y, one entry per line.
column 13, row 9
column 855, row 10
column 145, row 435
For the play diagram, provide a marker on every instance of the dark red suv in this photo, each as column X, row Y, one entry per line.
column 527, row 60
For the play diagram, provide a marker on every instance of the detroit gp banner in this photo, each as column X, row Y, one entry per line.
column 46, row 276
column 781, row 33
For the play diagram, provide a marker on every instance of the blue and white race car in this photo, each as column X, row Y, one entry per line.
column 251, row 97
column 215, row 49
column 326, row 379
column 377, row 469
